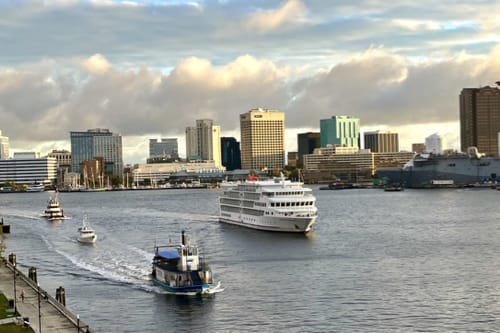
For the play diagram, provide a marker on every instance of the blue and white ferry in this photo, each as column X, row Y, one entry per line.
column 179, row 269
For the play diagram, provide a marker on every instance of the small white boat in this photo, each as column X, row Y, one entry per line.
column 86, row 233
column 35, row 188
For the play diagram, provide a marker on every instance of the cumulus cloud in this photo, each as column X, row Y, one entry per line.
column 384, row 90
column 290, row 12
column 96, row 64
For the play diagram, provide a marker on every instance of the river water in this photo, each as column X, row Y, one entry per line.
column 418, row 260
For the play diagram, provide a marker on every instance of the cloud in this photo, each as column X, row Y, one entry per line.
column 111, row 3
column 148, row 68
column 60, row 3
column 290, row 12
column 415, row 25
column 96, row 64
column 383, row 89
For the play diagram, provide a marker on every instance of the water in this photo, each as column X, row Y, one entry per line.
column 418, row 260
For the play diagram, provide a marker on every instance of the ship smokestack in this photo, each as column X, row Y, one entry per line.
column 183, row 238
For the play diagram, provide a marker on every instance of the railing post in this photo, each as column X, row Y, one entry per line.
column 39, row 312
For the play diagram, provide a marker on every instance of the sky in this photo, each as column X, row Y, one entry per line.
column 149, row 69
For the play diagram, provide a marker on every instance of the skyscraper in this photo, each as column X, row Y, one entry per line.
column 340, row 130
column 381, row 142
column 262, row 139
column 434, row 143
column 203, row 142
column 164, row 147
column 480, row 119
column 306, row 143
column 192, row 144
column 96, row 143
column 230, row 153
column 4, row 147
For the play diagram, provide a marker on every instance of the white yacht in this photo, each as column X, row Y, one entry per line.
column 275, row 205
column 86, row 233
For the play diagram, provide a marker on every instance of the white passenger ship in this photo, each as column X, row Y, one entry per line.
column 275, row 205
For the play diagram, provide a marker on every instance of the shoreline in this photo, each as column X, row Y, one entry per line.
column 36, row 307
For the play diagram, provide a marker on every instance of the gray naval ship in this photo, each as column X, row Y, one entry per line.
column 448, row 170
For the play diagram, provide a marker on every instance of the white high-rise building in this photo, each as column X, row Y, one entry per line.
column 4, row 147
column 203, row 142
column 434, row 144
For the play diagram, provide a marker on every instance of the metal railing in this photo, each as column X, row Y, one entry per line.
column 74, row 319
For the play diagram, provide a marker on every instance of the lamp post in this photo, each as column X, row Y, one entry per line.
column 15, row 294
column 39, row 312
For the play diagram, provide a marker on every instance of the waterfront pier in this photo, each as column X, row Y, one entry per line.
column 36, row 308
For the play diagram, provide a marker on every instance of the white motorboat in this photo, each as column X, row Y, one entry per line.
column 275, row 205
column 35, row 188
column 86, row 233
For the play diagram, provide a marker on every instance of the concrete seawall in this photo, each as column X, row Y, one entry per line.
column 45, row 313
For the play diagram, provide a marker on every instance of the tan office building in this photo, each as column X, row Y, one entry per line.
column 480, row 119
column 381, row 141
column 262, row 139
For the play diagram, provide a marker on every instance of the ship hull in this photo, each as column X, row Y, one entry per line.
column 445, row 172
column 198, row 289
column 280, row 224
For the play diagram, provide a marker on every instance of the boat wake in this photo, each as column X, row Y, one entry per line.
column 108, row 264
column 193, row 217
column 213, row 290
column 22, row 215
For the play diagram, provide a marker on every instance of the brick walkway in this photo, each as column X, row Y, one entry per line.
column 55, row 318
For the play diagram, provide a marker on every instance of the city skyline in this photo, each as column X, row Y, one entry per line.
column 146, row 69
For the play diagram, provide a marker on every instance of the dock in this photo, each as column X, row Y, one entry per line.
column 39, row 310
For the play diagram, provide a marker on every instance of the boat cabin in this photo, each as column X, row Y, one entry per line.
column 180, row 266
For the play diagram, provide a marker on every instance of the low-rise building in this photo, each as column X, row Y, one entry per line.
column 160, row 173
column 332, row 163
column 29, row 168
